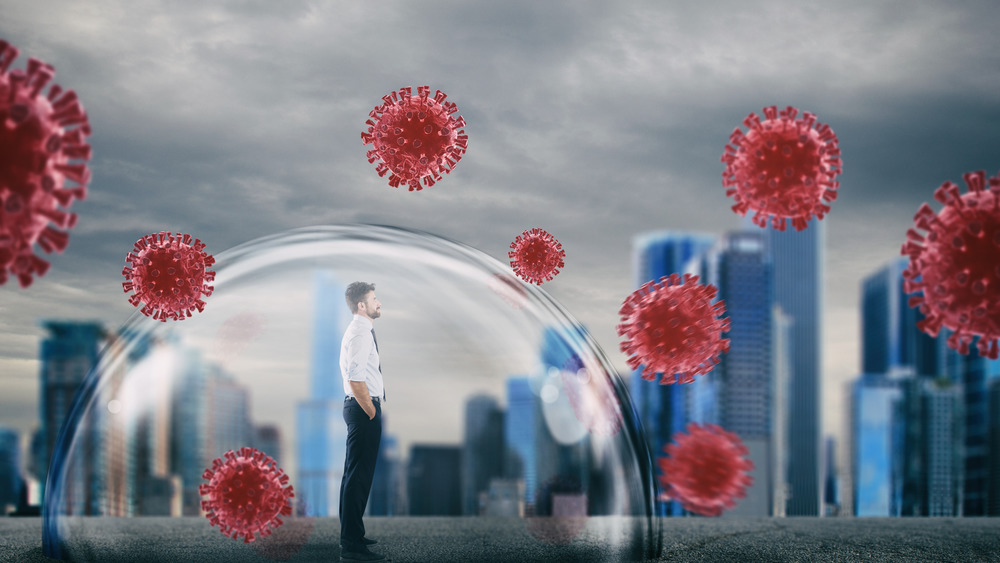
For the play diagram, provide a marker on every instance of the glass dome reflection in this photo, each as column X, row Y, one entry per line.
column 561, row 470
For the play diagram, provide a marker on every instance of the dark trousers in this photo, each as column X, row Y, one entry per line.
column 363, row 437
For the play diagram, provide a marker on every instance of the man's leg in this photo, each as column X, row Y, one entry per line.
column 356, row 482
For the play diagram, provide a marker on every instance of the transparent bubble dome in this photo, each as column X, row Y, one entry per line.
column 500, row 407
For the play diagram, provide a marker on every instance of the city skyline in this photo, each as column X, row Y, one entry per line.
column 614, row 127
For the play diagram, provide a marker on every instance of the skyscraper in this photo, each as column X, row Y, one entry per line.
column 209, row 416
column 890, row 339
column 891, row 343
column 741, row 269
column 322, row 434
column 68, row 353
column 10, row 469
column 520, row 428
column 482, row 449
column 798, row 288
column 434, row 480
column 993, row 461
column 872, row 433
column 662, row 408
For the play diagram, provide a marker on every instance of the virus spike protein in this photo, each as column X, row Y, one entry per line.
column 42, row 145
column 169, row 274
column 705, row 469
column 782, row 168
column 536, row 256
column 416, row 138
column 956, row 266
column 247, row 494
column 673, row 329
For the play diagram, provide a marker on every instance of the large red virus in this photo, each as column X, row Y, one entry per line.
column 673, row 329
column 169, row 274
column 956, row 267
column 247, row 494
column 416, row 138
column 42, row 145
column 705, row 469
column 782, row 168
column 536, row 256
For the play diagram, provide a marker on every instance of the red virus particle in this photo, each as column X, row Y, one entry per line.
column 169, row 274
column 416, row 138
column 536, row 256
column 42, row 145
column 673, row 329
column 705, row 469
column 247, row 494
column 782, row 168
column 592, row 398
column 237, row 333
column 956, row 267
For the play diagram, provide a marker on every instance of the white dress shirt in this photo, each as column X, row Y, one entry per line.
column 359, row 357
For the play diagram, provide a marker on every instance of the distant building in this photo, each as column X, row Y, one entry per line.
column 67, row 355
column 976, row 373
column 434, row 480
column 267, row 438
column 503, row 497
column 482, row 449
column 872, row 431
column 831, row 483
column 520, row 436
column 740, row 267
column 662, row 409
column 209, row 416
column 943, row 447
column 993, row 485
column 11, row 480
column 322, row 433
column 798, row 258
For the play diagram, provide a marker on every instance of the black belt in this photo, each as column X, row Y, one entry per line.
column 349, row 397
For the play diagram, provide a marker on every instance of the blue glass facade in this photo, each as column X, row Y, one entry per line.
column 520, row 428
column 873, row 431
column 322, row 434
column 662, row 408
column 798, row 258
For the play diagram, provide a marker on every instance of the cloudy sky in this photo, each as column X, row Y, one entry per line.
column 596, row 121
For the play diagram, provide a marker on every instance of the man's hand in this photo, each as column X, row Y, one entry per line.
column 364, row 399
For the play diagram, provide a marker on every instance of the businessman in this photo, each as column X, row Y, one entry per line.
column 364, row 393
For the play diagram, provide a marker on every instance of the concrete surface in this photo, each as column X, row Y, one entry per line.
column 432, row 539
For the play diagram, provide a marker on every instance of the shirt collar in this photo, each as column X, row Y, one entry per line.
column 364, row 320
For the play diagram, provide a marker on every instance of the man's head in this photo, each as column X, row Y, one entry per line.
column 361, row 300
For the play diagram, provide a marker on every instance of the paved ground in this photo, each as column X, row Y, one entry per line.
column 154, row 540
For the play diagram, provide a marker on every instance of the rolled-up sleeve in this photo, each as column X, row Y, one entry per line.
column 359, row 348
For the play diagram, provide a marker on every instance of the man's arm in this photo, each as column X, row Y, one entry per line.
column 360, row 390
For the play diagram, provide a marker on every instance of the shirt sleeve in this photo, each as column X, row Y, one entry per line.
column 359, row 349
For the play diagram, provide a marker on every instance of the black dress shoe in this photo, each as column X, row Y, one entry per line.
column 360, row 556
column 367, row 541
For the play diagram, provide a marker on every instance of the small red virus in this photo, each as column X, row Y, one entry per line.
column 415, row 138
column 673, row 329
column 536, row 256
column 247, row 494
column 169, row 274
column 783, row 168
column 957, row 266
column 42, row 144
column 592, row 398
column 705, row 469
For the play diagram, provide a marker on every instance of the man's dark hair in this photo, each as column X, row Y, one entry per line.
column 356, row 294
